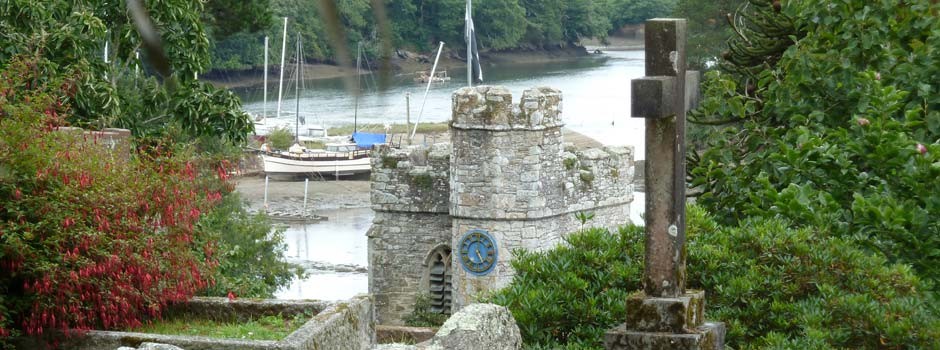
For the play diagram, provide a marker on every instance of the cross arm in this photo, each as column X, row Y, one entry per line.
column 652, row 97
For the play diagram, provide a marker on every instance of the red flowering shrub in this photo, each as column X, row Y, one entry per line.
column 90, row 237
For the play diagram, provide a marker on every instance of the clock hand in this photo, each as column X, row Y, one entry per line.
column 478, row 254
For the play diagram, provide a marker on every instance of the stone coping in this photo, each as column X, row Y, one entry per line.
column 335, row 325
column 387, row 334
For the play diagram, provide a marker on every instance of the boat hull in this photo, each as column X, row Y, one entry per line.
column 282, row 165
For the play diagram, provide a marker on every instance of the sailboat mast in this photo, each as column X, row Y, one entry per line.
column 358, row 87
column 264, row 108
column 469, row 58
column 280, row 86
column 297, row 96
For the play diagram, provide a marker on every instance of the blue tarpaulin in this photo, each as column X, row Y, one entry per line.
column 366, row 140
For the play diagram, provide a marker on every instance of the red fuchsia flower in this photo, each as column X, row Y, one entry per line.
column 922, row 149
column 232, row 296
column 17, row 194
column 862, row 121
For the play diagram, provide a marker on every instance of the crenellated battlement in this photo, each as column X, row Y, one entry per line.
column 491, row 108
column 597, row 177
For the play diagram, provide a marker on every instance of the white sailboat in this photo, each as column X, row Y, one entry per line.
column 337, row 159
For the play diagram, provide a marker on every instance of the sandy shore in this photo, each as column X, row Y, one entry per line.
column 286, row 195
column 614, row 44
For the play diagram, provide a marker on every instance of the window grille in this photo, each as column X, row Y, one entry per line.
column 439, row 281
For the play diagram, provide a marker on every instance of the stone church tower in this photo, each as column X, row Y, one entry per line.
column 448, row 218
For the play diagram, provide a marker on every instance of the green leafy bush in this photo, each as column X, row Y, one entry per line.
column 91, row 238
column 842, row 132
column 280, row 138
column 65, row 38
column 250, row 253
column 773, row 286
column 570, row 295
column 422, row 316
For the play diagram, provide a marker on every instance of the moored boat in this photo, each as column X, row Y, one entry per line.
column 425, row 76
column 336, row 159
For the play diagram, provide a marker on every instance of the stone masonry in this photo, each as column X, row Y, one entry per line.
column 508, row 172
column 410, row 188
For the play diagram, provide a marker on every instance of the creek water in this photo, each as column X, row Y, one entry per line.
column 595, row 89
column 596, row 103
column 333, row 252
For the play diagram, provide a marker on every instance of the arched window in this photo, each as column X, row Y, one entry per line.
column 439, row 279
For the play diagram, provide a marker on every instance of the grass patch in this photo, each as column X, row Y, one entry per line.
column 423, row 128
column 264, row 328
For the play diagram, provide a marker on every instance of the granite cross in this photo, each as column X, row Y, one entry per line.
column 662, row 98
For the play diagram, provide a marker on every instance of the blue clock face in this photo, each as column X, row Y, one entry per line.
column 478, row 252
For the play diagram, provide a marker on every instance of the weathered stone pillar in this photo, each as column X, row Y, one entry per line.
column 664, row 315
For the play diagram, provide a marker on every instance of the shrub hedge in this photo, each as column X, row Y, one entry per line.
column 251, row 254
column 774, row 286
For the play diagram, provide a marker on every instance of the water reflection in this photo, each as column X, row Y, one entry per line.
column 333, row 252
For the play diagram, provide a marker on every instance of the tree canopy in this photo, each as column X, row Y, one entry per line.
column 832, row 119
column 420, row 24
column 98, row 41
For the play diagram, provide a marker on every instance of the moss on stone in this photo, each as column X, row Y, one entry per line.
column 423, row 181
column 570, row 163
column 587, row 177
column 389, row 162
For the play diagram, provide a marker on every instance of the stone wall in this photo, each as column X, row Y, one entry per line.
column 346, row 325
column 410, row 190
column 475, row 327
column 118, row 140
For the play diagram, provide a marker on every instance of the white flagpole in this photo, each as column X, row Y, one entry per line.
column 280, row 86
column 430, row 80
column 469, row 19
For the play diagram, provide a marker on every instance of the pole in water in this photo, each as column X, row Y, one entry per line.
column 265, row 192
column 306, row 183
column 408, row 111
